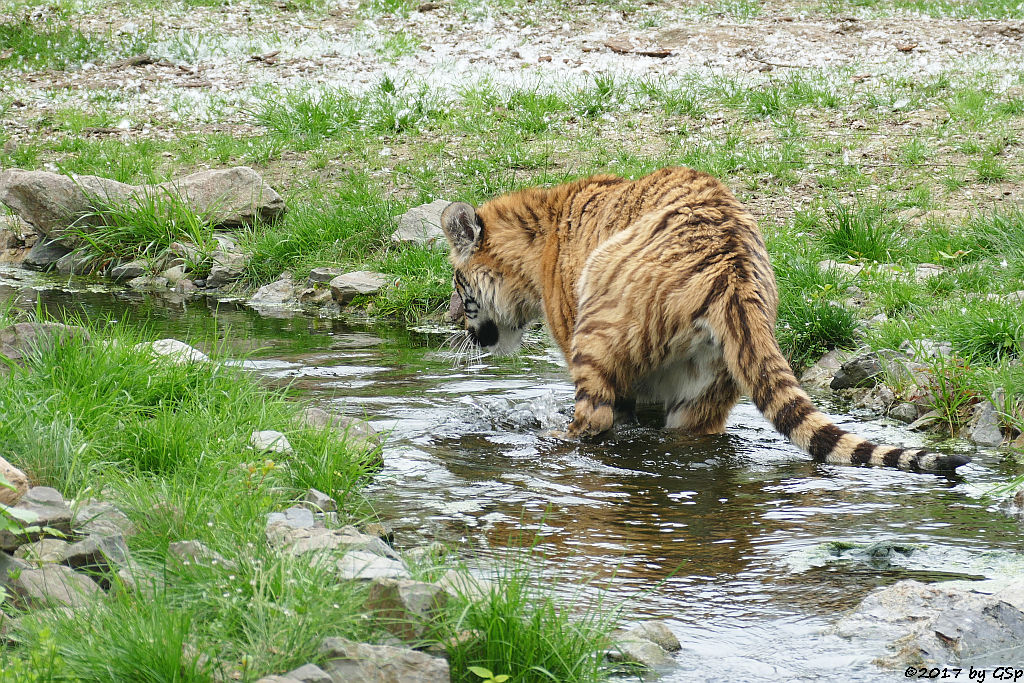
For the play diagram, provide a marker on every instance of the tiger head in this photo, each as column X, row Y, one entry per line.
column 497, row 302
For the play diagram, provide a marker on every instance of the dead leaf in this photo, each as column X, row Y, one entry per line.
column 906, row 47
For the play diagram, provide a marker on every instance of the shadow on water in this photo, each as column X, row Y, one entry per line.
column 753, row 550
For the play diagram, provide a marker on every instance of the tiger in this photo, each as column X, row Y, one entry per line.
column 655, row 290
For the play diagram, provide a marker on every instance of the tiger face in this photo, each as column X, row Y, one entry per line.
column 496, row 312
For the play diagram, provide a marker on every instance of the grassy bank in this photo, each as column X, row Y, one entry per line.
column 169, row 445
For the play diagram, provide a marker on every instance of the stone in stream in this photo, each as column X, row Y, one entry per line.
column 942, row 624
column 351, row 662
column 346, row 287
column 403, row 607
column 173, row 350
column 349, row 430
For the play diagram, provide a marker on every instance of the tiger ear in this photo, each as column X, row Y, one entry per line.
column 462, row 228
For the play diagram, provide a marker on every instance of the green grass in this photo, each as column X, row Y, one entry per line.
column 52, row 42
column 863, row 231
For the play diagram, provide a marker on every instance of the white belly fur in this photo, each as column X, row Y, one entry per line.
column 684, row 375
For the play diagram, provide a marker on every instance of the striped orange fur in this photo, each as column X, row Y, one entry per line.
column 657, row 289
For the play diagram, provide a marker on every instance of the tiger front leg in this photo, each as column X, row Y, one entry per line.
column 595, row 395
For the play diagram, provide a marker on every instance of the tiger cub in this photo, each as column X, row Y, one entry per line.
column 657, row 289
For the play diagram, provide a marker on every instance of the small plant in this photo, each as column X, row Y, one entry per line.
column 951, row 391
column 486, row 676
column 863, row 231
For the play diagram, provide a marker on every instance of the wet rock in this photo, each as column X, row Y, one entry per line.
column 926, row 421
column 173, row 350
column 281, row 292
column 642, row 652
column 422, row 225
column 44, row 255
column 984, row 428
column 364, row 565
column 94, row 517
column 904, row 412
column 21, row 339
column 74, row 264
column 16, row 478
column 270, row 441
column 175, row 275
column 43, row 551
column 940, row 624
column 353, row 662
column 877, row 399
column 229, row 262
column 123, row 272
column 346, row 287
column 353, row 432
column 864, row 370
column 318, row 501
column 429, row 554
column 655, row 631
column 316, row 296
column 42, row 510
column 196, row 552
column 51, row 584
column 146, row 283
column 819, row 375
column 403, row 607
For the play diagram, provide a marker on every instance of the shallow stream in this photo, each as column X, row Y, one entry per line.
column 733, row 539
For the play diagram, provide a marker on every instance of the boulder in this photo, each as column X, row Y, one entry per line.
column 861, row 371
column 403, row 607
column 146, row 283
column 941, row 624
column 642, row 652
column 58, row 206
column 107, row 553
column 351, row 431
column 655, row 631
column 350, row 662
column 318, row 501
column 196, row 552
column 75, row 263
column 16, row 478
column 281, row 292
column 51, row 584
column 984, row 428
column 173, row 350
column 323, row 275
column 904, row 412
column 367, row 566
column 43, row 551
column 850, row 269
column 295, row 517
column 422, row 225
column 346, row 287
column 45, row 254
column 19, row 340
column 39, row 511
column 100, row 518
column 123, row 272
column 307, row 673
column 300, row 541
column 270, row 441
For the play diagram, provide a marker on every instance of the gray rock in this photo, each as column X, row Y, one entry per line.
column 924, row 349
column 74, row 263
column 346, row 287
column 364, row 565
column 939, row 624
column 295, row 517
column 281, row 679
column 926, row 421
column 465, row 586
column 324, row 275
column 310, row 540
column 351, row 431
column 196, row 552
column 351, row 662
column 877, row 399
column 904, row 412
column 21, row 339
column 123, row 272
column 926, row 271
column 403, row 607
column 642, row 652
column 43, row 551
column 44, row 255
column 45, row 509
column 318, row 501
column 228, row 264
column 422, row 225
column 95, row 517
column 278, row 293
column 145, row 283
column 316, row 296
column 173, row 350
column 13, row 476
column 51, row 202
column 861, row 371
column 51, row 584
column 655, row 631
column 984, row 428
column 309, row 673
column 819, row 375
column 104, row 552
column 850, row 269
column 176, row 275
column 270, row 441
